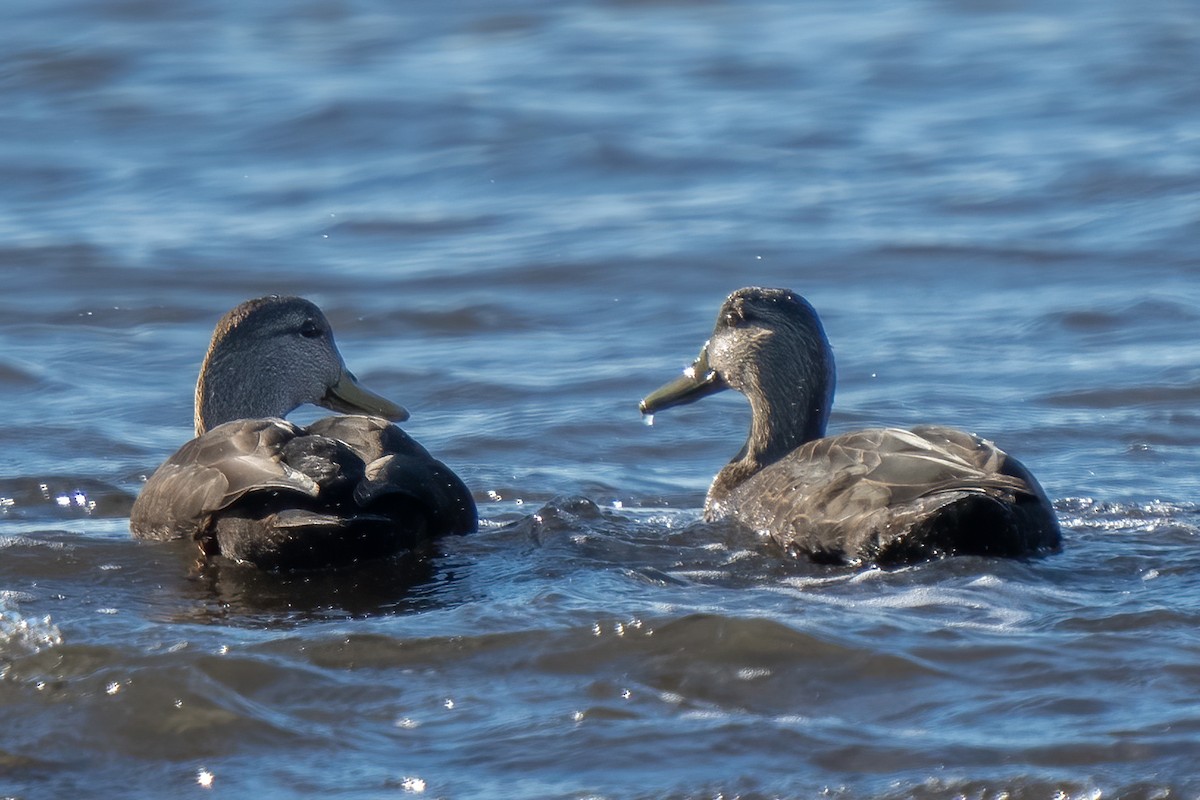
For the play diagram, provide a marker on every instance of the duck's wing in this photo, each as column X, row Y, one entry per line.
column 865, row 494
column 369, row 437
column 213, row 471
column 400, row 470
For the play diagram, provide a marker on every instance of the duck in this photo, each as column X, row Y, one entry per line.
column 260, row 490
column 878, row 496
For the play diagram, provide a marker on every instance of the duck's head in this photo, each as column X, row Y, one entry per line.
column 271, row 355
column 769, row 345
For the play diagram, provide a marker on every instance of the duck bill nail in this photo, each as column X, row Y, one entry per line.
column 349, row 397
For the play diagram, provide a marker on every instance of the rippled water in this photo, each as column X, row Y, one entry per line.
column 520, row 218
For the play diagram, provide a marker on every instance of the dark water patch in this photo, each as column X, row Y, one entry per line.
column 495, row 423
column 653, row 158
column 153, row 709
column 1112, row 180
column 453, row 320
column 18, row 377
column 217, row 281
column 749, row 665
column 63, row 69
column 104, row 317
column 233, row 593
column 506, row 24
column 1118, row 622
column 1122, row 397
column 367, row 124
column 46, row 429
column 958, row 253
column 37, row 183
column 743, row 73
column 1135, row 316
column 29, row 265
column 416, row 226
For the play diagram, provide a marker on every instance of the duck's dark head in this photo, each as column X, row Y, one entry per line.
column 769, row 345
column 271, row 355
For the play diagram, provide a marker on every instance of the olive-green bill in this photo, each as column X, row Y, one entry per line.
column 350, row 397
column 696, row 382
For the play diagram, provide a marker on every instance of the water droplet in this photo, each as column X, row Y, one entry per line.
column 648, row 420
column 204, row 778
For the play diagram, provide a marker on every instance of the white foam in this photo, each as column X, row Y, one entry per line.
column 20, row 635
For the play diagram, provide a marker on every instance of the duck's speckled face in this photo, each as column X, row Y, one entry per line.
column 752, row 329
column 769, row 345
column 759, row 330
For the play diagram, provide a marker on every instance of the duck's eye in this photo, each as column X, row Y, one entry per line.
column 735, row 317
column 310, row 330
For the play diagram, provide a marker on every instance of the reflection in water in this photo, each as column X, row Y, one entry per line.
column 232, row 592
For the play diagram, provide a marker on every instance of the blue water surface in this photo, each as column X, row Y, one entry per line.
column 520, row 218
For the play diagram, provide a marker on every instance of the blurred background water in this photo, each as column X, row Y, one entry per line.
column 520, row 218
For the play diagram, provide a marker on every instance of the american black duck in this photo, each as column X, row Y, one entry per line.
column 882, row 495
column 258, row 489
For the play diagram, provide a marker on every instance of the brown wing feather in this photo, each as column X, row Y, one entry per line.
column 213, row 471
column 852, row 496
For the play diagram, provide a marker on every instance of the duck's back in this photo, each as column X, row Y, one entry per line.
column 888, row 495
column 278, row 495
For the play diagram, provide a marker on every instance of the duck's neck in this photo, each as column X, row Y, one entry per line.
column 778, row 425
column 232, row 386
column 789, row 406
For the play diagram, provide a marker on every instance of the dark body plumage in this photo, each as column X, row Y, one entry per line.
column 261, row 490
column 881, row 495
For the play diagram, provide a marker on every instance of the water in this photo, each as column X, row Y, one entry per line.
column 520, row 219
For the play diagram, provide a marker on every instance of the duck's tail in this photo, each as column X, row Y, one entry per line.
column 975, row 522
